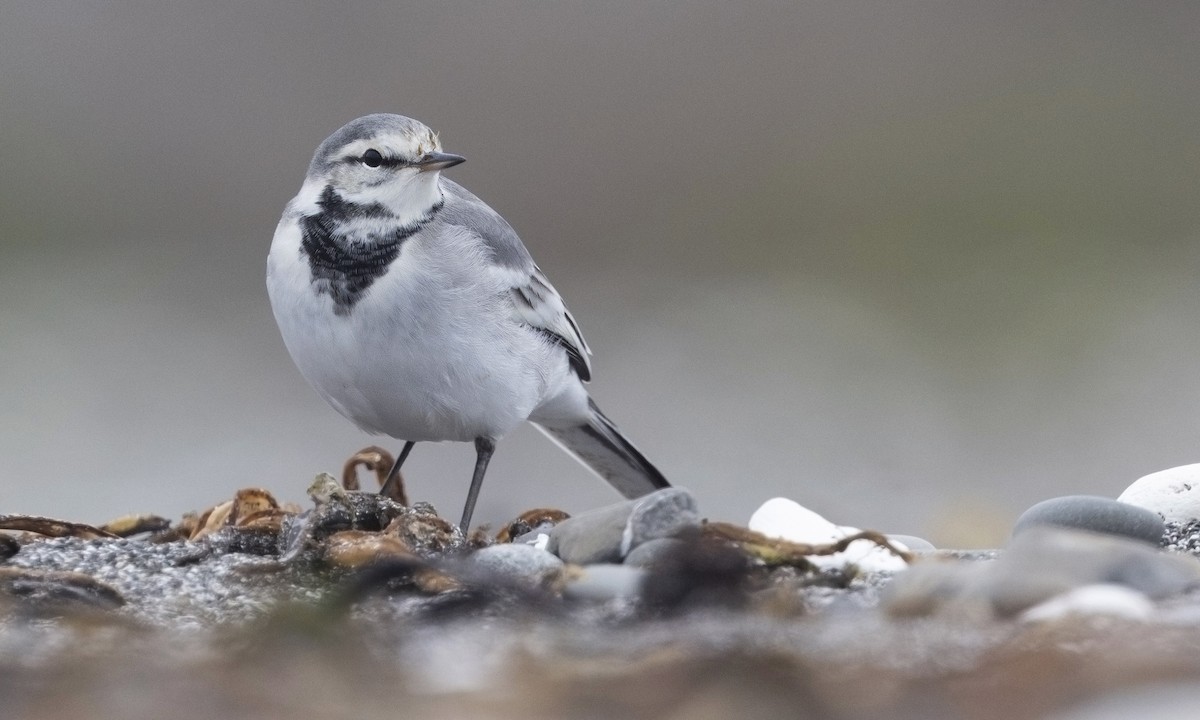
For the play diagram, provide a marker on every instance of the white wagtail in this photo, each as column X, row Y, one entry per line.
column 415, row 311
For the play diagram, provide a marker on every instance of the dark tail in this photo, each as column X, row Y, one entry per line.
column 601, row 446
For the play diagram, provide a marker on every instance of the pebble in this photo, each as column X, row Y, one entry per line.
column 525, row 563
column 1039, row 564
column 667, row 513
column 912, row 543
column 1173, row 493
column 604, row 581
column 591, row 537
column 607, row 534
column 1045, row 561
column 789, row 520
column 1099, row 599
column 652, row 552
column 1091, row 512
column 8, row 547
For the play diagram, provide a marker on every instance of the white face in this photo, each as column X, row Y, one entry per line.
column 383, row 169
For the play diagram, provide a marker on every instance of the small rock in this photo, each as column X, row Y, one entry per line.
column 912, row 543
column 1039, row 564
column 604, row 581
column 1173, row 493
column 789, row 520
column 667, row 513
column 423, row 530
column 1098, row 514
column 594, row 536
column 1045, row 561
column 695, row 574
column 1098, row 599
column 652, row 552
column 524, row 563
column 8, row 547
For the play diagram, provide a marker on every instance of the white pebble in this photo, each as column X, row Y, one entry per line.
column 789, row 520
column 1173, row 493
column 1097, row 599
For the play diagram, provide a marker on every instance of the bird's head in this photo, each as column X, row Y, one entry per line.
column 387, row 159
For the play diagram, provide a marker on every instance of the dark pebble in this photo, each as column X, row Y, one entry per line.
column 1094, row 513
column 652, row 552
column 8, row 547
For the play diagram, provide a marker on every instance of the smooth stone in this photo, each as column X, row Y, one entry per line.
column 1173, row 493
column 604, row 581
column 1097, row 514
column 594, row 536
column 789, row 520
column 1044, row 561
column 667, row 513
column 912, row 543
column 1039, row 564
column 524, row 562
column 1099, row 599
column 651, row 552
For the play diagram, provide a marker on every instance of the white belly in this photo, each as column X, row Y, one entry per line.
column 429, row 355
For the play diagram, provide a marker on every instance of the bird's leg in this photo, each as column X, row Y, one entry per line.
column 484, row 447
column 393, row 478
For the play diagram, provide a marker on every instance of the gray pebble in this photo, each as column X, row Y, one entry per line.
column 592, row 537
column 667, row 513
column 1098, row 514
column 1043, row 562
column 519, row 561
column 604, row 581
column 913, row 543
column 651, row 552
column 1040, row 563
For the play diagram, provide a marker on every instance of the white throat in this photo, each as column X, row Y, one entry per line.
column 410, row 199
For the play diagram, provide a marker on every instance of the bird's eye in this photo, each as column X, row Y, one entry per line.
column 372, row 158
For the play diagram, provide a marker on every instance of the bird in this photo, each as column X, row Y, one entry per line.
column 416, row 312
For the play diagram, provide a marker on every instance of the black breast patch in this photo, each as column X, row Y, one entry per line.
column 344, row 261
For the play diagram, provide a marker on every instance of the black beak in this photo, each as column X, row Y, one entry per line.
column 439, row 161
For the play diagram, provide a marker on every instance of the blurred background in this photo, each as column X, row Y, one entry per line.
column 914, row 265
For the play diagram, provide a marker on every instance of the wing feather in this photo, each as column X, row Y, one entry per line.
column 535, row 302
